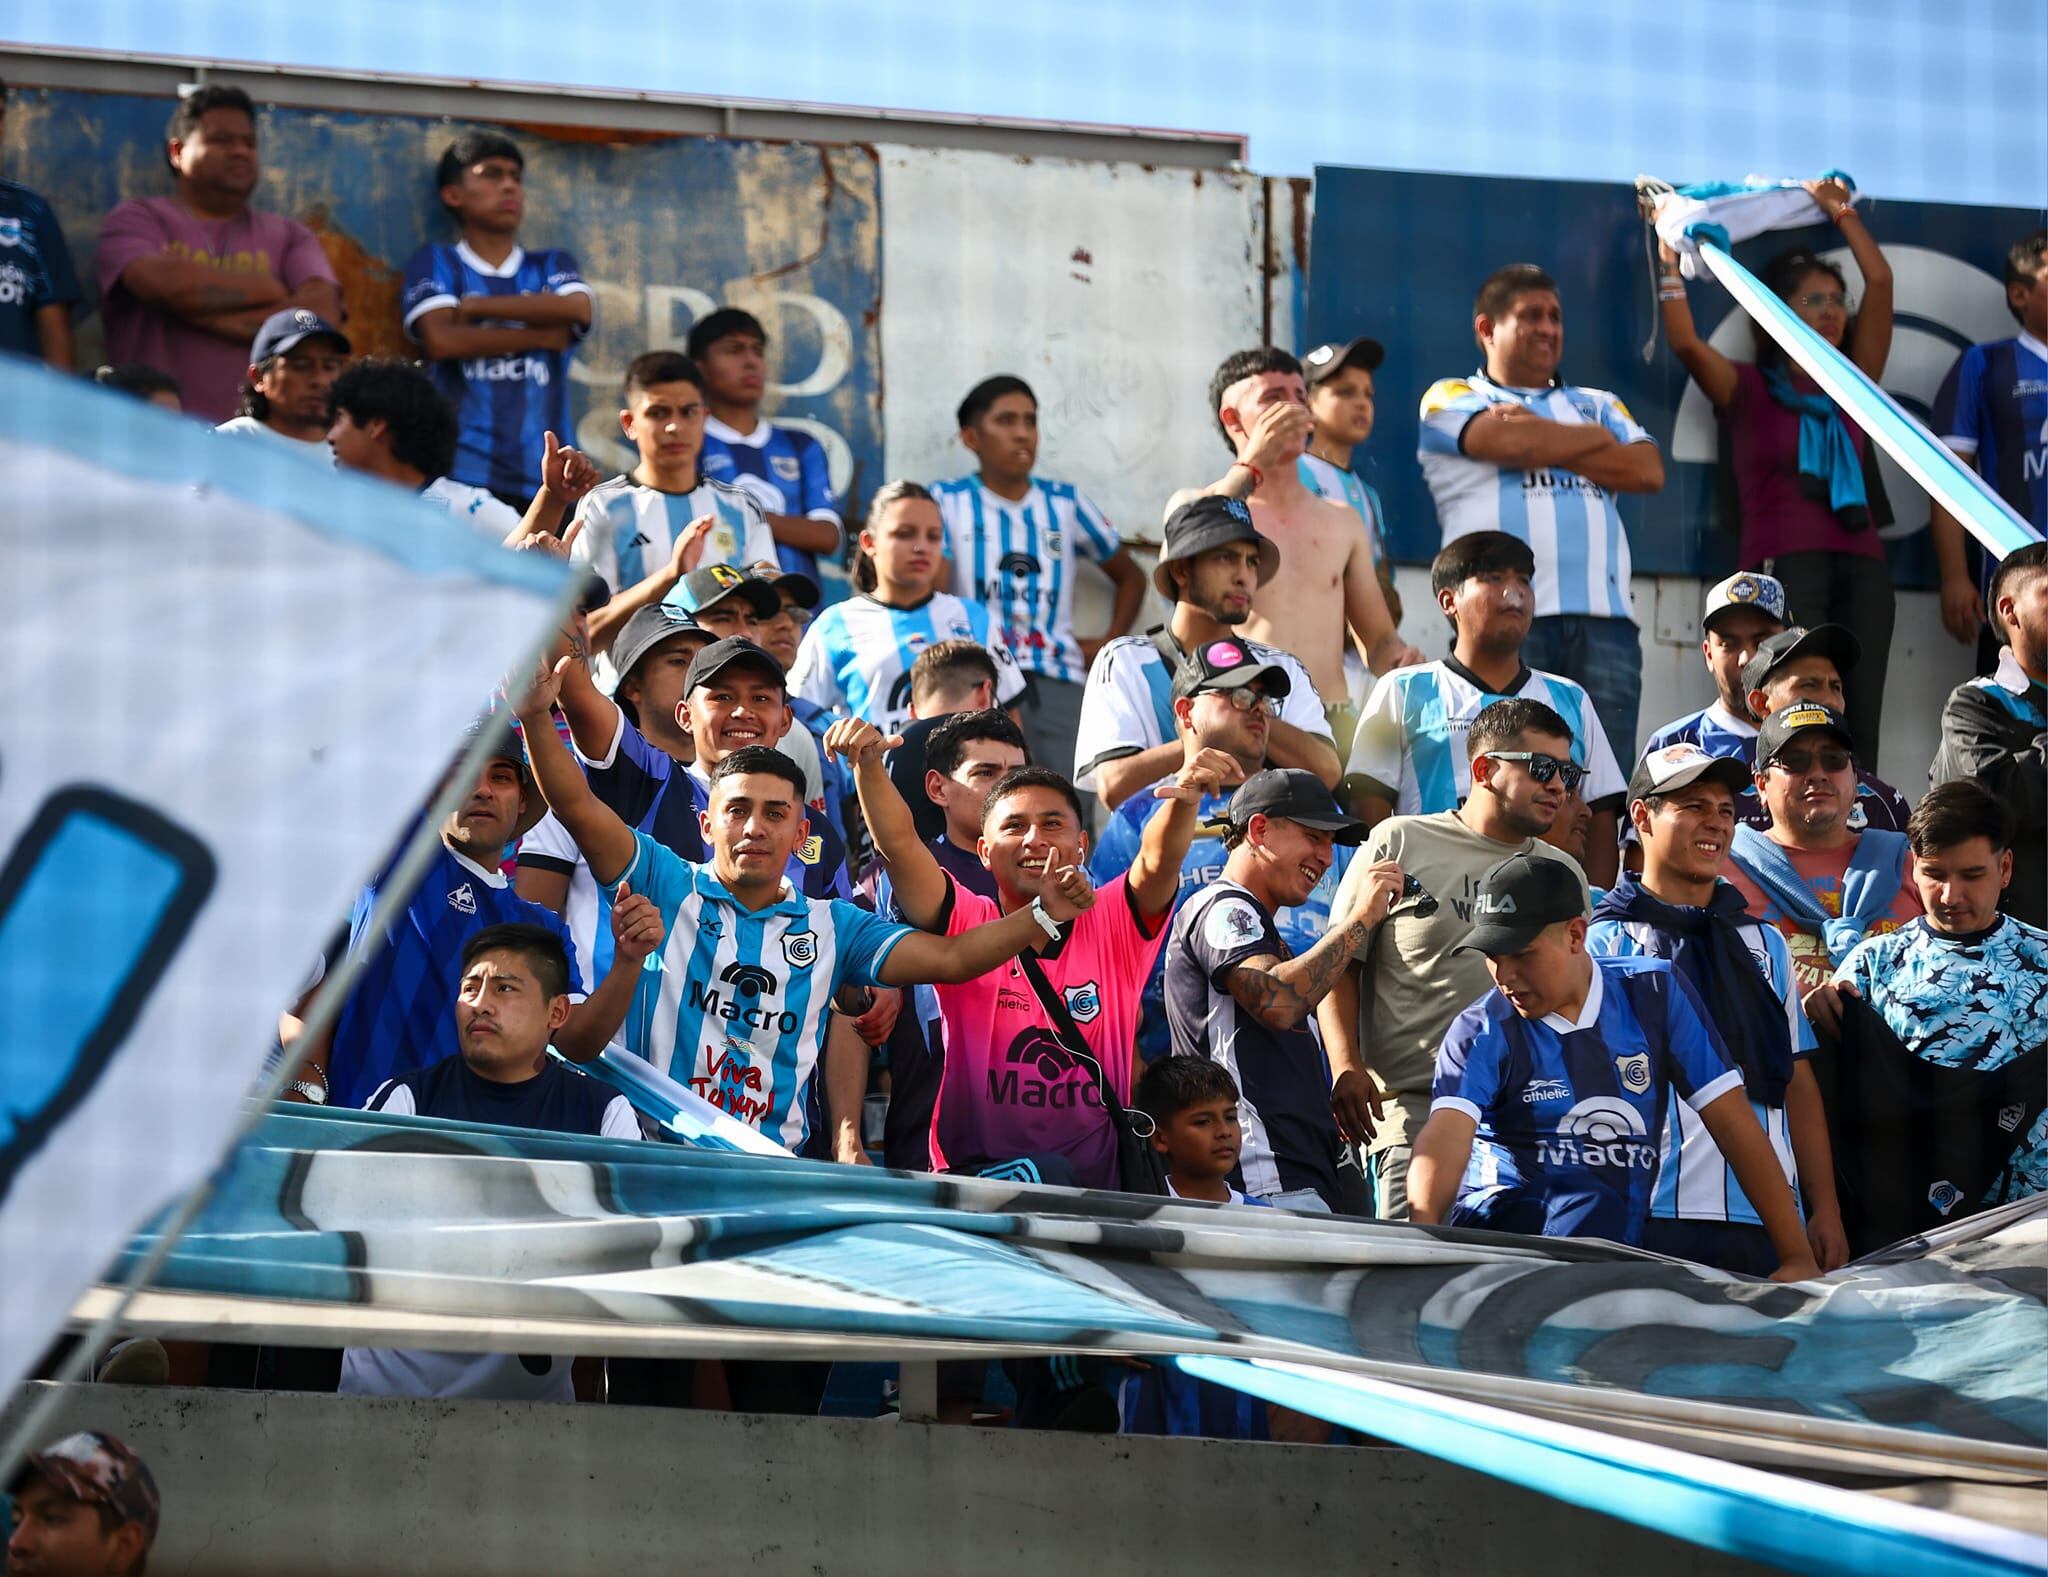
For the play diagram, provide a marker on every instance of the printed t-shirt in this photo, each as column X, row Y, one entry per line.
column 1822, row 870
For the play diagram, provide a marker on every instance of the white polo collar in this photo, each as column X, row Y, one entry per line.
column 1589, row 1010
column 504, row 270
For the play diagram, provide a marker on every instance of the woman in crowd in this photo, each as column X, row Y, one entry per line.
column 856, row 656
column 1799, row 463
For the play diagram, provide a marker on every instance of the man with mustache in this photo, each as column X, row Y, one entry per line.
column 1237, row 993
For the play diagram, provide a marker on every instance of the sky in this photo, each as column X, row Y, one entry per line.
column 1918, row 99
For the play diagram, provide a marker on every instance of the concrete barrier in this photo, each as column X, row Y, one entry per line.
column 277, row 1483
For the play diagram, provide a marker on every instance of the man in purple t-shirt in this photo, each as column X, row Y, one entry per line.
column 187, row 280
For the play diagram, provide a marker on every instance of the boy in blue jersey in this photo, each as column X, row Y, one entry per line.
column 784, row 469
column 752, row 969
column 1682, row 804
column 1993, row 411
column 1408, row 756
column 399, row 1015
column 643, row 532
column 1512, row 449
column 497, row 323
column 1016, row 541
column 1549, row 1087
column 38, row 286
column 514, row 998
column 1342, row 403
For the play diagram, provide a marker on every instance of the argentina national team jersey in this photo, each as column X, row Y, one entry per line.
column 505, row 403
column 1410, row 743
column 629, row 530
column 1340, row 485
column 1694, row 1181
column 1571, row 525
column 736, row 1003
column 856, row 656
column 1017, row 560
column 784, row 469
column 1569, row 1114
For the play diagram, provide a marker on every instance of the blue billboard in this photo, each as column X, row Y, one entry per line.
column 1400, row 256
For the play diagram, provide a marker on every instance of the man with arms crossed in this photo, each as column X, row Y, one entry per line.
column 1549, row 1087
column 1384, row 1019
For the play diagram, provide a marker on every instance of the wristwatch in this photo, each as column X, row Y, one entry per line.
column 316, row 1093
column 1046, row 922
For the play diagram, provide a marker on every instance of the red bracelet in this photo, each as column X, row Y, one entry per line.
column 1258, row 476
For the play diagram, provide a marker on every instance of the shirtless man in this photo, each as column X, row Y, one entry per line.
column 1325, row 584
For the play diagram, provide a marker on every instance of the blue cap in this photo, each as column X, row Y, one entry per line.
column 283, row 330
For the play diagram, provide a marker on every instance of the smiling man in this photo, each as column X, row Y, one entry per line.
column 1510, row 448
column 1551, row 1087
column 1238, row 994
column 1682, row 805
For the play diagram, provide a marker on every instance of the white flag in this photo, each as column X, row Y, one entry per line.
column 231, row 678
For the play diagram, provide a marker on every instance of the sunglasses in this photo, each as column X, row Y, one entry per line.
column 1800, row 762
column 1544, row 767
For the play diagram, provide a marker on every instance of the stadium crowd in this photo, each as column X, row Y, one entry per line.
column 1185, row 909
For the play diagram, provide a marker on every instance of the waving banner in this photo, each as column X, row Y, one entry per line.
column 231, row 677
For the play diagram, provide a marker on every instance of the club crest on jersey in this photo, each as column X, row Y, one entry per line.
column 800, row 948
column 811, row 849
column 10, row 232
column 1231, row 923
column 462, row 899
column 1084, row 1002
column 2009, row 1117
column 1634, row 1072
column 785, row 466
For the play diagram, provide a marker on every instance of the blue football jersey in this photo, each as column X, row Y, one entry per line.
column 401, row 1014
column 35, row 267
column 503, row 403
column 786, row 471
column 1993, row 411
column 1570, row 1114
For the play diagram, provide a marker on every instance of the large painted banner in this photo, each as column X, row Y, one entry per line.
column 1400, row 256
column 232, row 676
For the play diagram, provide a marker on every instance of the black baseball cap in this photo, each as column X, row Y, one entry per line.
column 795, row 582
column 1675, row 766
column 1518, row 900
column 1798, row 718
column 1831, row 641
column 647, row 629
column 1293, row 794
column 1326, row 361
column 1227, row 664
column 281, row 331
column 735, row 651
column 1209, row 522
column 700, row 588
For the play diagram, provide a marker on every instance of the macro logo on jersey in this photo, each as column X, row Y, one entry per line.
column 1602, row 1130
column 1037, row 1071
column 1019, row 566
column 744, row 999
column 1084, row 1002
column 1944, row 1196
column 1634, row 1072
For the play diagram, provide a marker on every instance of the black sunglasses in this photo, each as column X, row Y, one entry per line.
column 1544, row 767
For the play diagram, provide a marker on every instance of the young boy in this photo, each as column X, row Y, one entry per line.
column 785, row 469
column 1193, row 1106
column 644, row 531
column 1341, row 399
column 497, row 323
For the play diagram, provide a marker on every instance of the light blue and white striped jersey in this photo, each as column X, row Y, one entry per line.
column 856, row 656
column 1340, row 485
column 1017, row 561
column 736, row 1003
column 1570, row 524
column 1694, row 1181
column 1411, row 739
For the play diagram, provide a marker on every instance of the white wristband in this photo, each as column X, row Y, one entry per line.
column 1046, row 922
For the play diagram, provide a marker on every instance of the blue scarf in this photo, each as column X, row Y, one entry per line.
column 1704, row 943
column 1872, row 881
column 1830, row 469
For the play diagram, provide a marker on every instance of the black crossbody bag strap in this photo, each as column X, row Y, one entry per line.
column 1069, row 1033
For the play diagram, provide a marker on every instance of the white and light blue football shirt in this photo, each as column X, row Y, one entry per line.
column 856, row 656
column 1341, row 485
column 736, row 1003
column 1018, row 560
column 1411, row 739
column 1694, row 1181
column 1572, row 525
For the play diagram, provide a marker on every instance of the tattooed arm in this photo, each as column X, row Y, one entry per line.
column 1280, row 993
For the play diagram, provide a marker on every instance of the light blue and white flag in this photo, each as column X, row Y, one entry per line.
column 231, row 677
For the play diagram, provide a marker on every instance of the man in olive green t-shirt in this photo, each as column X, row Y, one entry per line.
column 1385, row 1018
